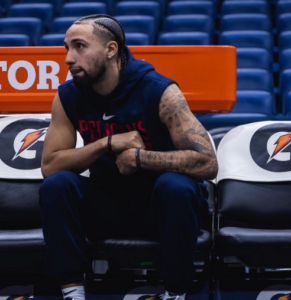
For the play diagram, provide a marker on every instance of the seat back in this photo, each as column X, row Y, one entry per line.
column 163, row 4
column 188, row 23
column 286, row 104
column 137, row 39
column 254, row 102
column 254, row 176
column 21, row 141
column 244, row 7
column 52, row 39
column 139, row 24
column 250, row 106
column 282, row 7
column 62, row 24
column 109, row 3
column 140, row 8
column 254, row 79
column 29, row 26
column 14, row 40
column 245, row 22
column 144, row 8
column 79, row 9
column 191, row 7
column 43, row 11
column 247, row 39
column 254, row 58
column 284, row 40
column 57, row 4
column 285, row 90
column 185, row 38
column 285, row 60
column 254, row 188
column 284, row 23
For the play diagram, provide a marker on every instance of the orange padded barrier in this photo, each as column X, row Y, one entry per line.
column 29, row 76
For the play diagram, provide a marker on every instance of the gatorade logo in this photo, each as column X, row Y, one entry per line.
column 28, row 141
column 21, row 143
column 270, row 147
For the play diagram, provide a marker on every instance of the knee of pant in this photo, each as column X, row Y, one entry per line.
column 54, row 186
column 178, row 190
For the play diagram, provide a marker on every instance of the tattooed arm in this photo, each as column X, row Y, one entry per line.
column 195, row 155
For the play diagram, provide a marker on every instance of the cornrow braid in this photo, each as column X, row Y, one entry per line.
column 114, row 27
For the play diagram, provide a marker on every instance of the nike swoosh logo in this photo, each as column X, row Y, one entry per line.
column 67, row 293
column 105, row 118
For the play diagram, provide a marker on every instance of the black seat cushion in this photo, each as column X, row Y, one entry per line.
column 19, row 204
column 132, row 252
column 256, row 247
column 21, row 252
column 21, row 240
column 261, row 205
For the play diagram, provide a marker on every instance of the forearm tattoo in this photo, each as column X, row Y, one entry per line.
column 185, row 162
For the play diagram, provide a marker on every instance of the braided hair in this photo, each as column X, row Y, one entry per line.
column 113, row 31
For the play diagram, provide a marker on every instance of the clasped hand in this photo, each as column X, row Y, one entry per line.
column 124, row 145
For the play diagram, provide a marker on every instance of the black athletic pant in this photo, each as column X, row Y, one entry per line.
column 74, row 207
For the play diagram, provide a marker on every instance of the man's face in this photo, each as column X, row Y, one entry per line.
column 86, row 55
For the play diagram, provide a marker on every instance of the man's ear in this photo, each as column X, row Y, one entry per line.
column 112, row 49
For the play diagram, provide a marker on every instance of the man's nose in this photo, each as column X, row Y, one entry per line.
column 69, row 58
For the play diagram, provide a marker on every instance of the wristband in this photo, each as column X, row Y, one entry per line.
column 109, row 147
column 137, row 158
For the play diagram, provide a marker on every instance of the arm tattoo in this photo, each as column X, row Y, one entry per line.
column 186, row 131
column 184, row 162
column 195, row 155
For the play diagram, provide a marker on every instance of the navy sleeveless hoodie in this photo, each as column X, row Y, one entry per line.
column 132, row 105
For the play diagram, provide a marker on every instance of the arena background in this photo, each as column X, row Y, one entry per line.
column 232, row 61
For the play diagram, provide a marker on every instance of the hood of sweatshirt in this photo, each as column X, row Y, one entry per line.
column 136, row 69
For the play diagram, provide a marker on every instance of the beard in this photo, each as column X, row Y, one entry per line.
column 89, row 80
